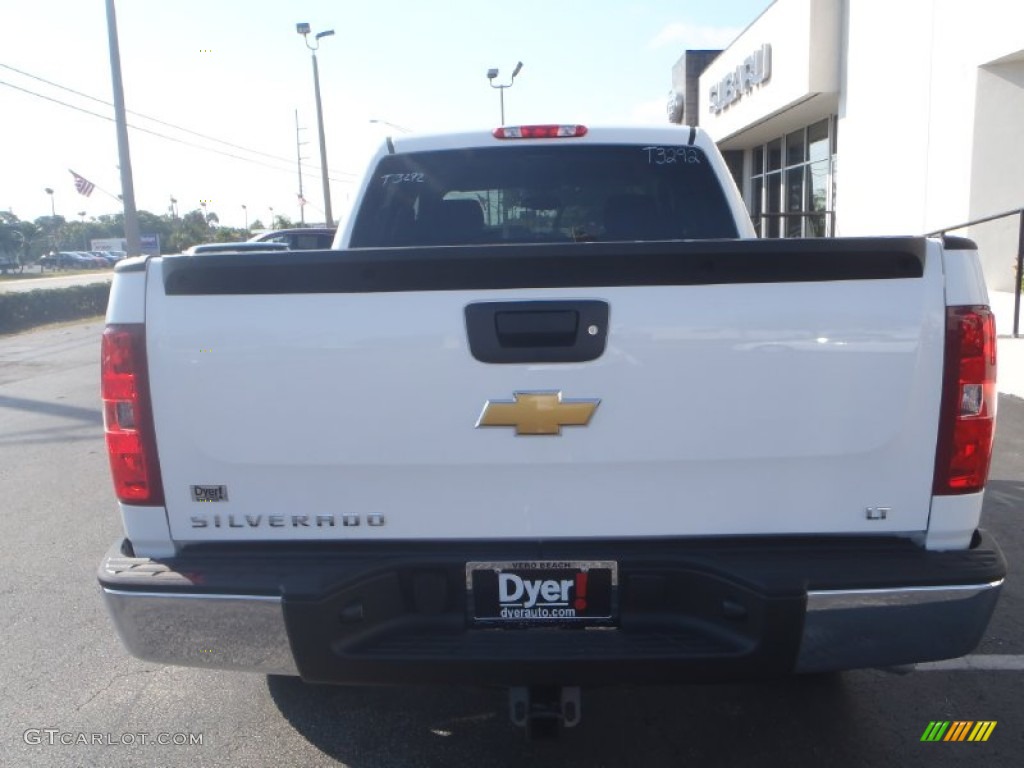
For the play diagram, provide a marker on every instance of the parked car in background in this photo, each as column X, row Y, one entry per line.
column 109, row 259
column 302, row 239
column 74, row 260
column 93, row 260
column 247, row 247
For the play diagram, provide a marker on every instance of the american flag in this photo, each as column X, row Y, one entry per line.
column 82, row 184
column 302, row 200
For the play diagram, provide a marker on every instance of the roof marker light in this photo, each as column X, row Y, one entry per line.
column 539, row 131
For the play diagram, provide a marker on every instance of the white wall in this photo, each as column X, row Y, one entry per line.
column 907, row 111
column 997, row 168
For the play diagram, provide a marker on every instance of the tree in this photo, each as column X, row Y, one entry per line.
column 191, row 229
column 229, row 235
column 22, row 240
column 51, row 227
column 36, row 242
column 12, row 242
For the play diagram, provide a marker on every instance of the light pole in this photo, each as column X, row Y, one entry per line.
column 174, row 207
column 271, row 217
column 493, row 73
column 390, row 125
column 245, row 210
column 53, row 221
column 127, row 196
column 303, row 29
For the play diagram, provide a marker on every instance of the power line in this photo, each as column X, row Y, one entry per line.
column 157, row 120
column 161, row 122
column 139, row 114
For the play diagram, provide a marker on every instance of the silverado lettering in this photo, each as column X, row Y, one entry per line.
column 256, row 521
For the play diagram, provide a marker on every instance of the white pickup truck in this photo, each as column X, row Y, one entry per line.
column 549, row 416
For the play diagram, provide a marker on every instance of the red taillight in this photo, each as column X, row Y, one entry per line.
column 127, row 419
column 968, row 415
column 539, row 131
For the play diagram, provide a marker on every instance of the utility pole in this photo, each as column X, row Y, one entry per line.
column 131, row 216
column 298, row 163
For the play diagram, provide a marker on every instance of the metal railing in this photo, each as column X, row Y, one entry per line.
column 1019, row 272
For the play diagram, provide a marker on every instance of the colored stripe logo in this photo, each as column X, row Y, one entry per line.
column 958, row 730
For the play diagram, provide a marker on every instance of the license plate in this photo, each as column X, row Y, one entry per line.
column 542, row 592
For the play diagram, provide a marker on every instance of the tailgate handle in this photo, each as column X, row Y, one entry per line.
column 537, row 331
column 531, row 328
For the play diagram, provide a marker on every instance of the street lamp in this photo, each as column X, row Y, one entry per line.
column 174, row 207
column 53, row 221
column 493, row 73
column 271, row 216
column 303, row 29
column 390, row 125
column 245, row 210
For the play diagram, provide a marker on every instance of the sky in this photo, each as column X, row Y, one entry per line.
column 221, row 80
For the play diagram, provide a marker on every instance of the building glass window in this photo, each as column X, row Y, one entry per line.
column 756, row 191
column 795, row 148
column 774, row 150
column 734, row 161
column 793, row 225
column 818, row 157
column 793, row 183
column 773, row 204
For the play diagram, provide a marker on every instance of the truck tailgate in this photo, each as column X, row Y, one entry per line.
column 762, row 388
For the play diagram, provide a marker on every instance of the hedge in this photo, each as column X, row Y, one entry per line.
column 22, row 310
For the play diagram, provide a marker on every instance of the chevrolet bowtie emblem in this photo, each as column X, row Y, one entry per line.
column 537, row 413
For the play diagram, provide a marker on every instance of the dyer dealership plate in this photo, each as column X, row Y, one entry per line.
column 542, row 592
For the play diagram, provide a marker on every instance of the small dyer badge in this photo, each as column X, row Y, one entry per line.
column 537, row 413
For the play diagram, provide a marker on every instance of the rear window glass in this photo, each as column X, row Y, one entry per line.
column 302, row 241
column 542, row 194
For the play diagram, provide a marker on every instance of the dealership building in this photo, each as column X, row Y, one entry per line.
column 864, row 117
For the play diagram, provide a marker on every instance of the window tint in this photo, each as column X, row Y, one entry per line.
column 310, row 242
column 542, row 194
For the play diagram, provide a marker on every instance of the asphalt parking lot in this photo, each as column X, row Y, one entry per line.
column 65, row 675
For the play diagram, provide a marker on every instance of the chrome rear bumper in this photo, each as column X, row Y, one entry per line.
column 843, row 629
column 851, row 629
column 243, row 632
